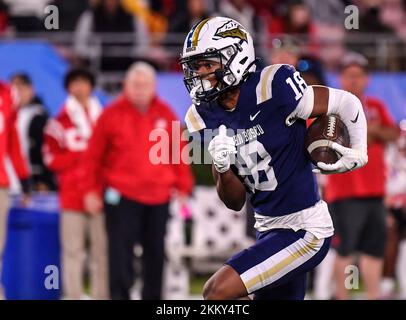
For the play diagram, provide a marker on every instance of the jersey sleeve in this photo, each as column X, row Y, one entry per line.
column 281, row 83
column 194, row 121
column 195, row 125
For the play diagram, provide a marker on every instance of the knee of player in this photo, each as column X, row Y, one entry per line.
column 214, row 290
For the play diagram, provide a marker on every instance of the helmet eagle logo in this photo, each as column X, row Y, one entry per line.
column 230, row 29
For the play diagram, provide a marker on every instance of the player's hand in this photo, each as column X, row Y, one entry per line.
column 221, row 149
column 204, row 85
column 93, row 203
column 351, row 159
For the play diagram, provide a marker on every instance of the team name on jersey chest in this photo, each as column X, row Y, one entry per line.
column 248, row 135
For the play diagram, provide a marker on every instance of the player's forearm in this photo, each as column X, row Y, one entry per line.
column 349, row 108
column 320, row 100
column 230, row 189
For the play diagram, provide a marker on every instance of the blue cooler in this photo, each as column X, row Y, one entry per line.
column 31, row 261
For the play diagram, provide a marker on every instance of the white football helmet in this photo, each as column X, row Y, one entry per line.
column 218, row 39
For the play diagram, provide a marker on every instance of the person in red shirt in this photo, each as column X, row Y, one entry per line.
column 356, row 198
column 65, row 142
column 9, row 147
column 9, row 142
column 136, row 188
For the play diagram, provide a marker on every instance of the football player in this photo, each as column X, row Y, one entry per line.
column 260, row 119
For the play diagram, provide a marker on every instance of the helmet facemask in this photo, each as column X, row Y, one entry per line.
column 200, row 89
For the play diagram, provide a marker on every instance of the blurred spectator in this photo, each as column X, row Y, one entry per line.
column 9, row 147
column 27, row 15
column 392, row 13
column 183, row 21
column 153, row 13
column 66, row 139
column 328, row 19
column 270, row 6
column 329, row 12
column 3, row 17
column 136, row 191
column 372, row 27
column 285, row 49
column 371, row 18
column 356, row 198
column 241, row 11
column 395, row 261
column 31, row 119
column 96, row 35
column 295, row 20
column 311, row 69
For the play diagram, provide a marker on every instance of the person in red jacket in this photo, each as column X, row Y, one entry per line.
column 9, row 147
column 136, row 190
column 356, row 198
column 65, row 142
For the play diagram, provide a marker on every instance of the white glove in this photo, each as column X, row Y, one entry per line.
column 204, row 85
column 221, row 147
column 351, row 159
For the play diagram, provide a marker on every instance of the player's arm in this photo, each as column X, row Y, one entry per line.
column 320, row 100
column 221, row 148
column 229, row 188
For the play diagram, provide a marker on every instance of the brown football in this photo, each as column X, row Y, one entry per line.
column 321, row 134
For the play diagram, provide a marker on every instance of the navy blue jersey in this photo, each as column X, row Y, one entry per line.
column 271, row 158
